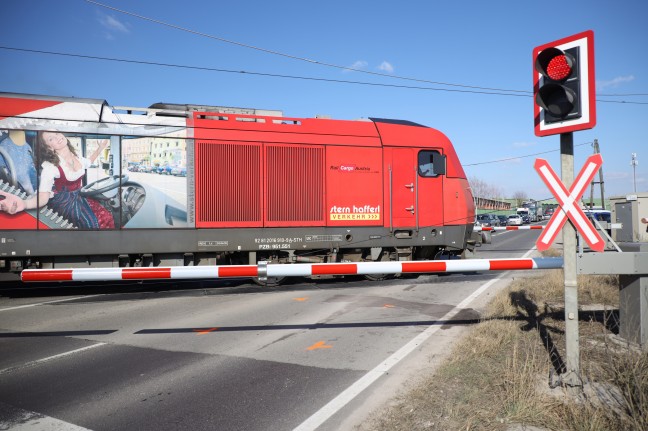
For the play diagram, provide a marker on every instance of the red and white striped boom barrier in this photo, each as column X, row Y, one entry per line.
column 496, row 228
column 264, row 270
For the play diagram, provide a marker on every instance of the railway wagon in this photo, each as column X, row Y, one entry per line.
column 87, row 184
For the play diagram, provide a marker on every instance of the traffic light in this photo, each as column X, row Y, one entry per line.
column 559, row 90
column 563, row 85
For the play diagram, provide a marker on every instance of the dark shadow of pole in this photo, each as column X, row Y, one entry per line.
column 528, row 310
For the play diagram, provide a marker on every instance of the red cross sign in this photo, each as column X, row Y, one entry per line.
column 569, row 203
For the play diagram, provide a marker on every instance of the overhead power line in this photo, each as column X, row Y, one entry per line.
column 519, row 157
column 491, row 90
column 294, row 57
column 274, row 75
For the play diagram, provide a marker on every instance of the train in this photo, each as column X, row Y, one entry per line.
column 85, row 184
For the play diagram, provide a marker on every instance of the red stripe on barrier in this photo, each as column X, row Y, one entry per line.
column 238, row 271
column 45, row 275
column 145, row 273
column 334, row 269
column 512, row 228
column 424, row 266
column 510, row 264
column 536, row 227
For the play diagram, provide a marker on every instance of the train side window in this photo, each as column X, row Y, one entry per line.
column 431, row 163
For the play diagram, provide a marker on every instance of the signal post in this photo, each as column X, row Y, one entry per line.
column 572, row 361
column 564, row 102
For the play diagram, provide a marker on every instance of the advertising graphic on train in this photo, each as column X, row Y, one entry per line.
column 55, row 180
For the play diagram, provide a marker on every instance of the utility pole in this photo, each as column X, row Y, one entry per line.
column 600, row 181
column 634, row 162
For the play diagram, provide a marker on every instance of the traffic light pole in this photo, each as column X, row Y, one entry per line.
column 571, row 378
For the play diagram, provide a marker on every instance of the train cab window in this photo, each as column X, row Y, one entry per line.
column 431, row 163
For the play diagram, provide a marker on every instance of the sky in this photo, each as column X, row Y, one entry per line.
column 429, row 62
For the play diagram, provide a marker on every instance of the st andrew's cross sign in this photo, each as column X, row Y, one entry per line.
column 569, row 203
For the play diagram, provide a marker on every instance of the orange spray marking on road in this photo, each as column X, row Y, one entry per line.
column 204, row 331
column 319, row 345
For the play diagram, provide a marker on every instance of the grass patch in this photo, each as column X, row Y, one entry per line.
column 499, row 374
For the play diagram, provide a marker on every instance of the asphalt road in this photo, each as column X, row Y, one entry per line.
column 229, row 355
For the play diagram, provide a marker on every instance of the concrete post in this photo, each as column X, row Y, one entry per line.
column 572, row 361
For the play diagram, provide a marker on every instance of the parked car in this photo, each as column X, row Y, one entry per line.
column 526, row 219
column 503, row 220
column 145, row 168
column 601, row 216
column 483, row 220
column 494, row 220
column 515, row 220
column 163, row 170
column 179, row 171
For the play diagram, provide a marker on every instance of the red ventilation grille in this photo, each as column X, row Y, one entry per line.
column 228, row 185
column 295, row 185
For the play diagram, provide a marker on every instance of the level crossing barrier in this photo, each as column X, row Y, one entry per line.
column 263, row 270
column 499, row 228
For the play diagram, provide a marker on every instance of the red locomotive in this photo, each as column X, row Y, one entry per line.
column 86, row 184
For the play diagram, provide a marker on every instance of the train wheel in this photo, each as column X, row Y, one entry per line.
column 384, row 257
column 270, row 281
column 378, row 277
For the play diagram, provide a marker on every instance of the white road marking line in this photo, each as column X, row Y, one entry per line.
column 44, row 303
column 337, row 403
column 50, row 358
column 25, row 420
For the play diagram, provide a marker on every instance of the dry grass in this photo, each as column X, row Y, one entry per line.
column 499, row 374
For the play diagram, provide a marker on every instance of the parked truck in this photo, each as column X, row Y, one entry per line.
column 532, row 209
column 524, row 213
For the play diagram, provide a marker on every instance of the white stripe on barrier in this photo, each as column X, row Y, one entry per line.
column 96, row 274
column 194, row 271
column 467, row 265
column 379, row 267
column 296, row 270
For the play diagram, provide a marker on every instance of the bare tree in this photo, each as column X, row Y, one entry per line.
column 481, row 189
column 519, row 197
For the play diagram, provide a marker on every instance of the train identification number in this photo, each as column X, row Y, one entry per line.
column 277, row 243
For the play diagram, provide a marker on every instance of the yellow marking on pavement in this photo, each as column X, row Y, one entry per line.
column 319, row 345
column 388, row 306
column 305, row 298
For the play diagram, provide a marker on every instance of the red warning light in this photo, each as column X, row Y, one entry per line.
column 559, row 68
column 555, row 64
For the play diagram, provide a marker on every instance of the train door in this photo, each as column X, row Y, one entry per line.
column 401, row 198
column 430, row 172
column 415, row 190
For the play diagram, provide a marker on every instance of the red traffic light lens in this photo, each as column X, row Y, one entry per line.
column 558, row 68
column 554, row 64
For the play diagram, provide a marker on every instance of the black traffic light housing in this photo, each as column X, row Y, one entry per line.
column 559, row 89
column 564, row 85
